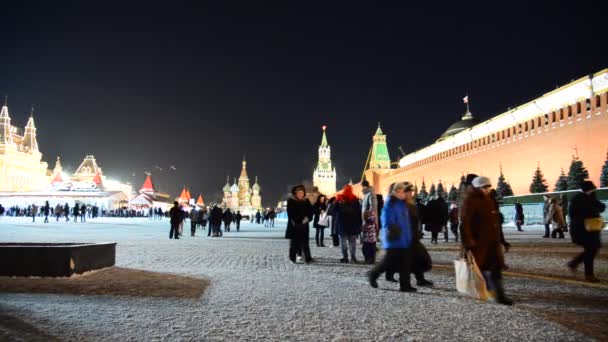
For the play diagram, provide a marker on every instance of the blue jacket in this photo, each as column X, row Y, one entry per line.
column 396, row 213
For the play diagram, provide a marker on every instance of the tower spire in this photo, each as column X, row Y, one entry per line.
column 324, row 138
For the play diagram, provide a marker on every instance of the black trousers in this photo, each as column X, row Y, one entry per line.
column 587, row 257
column 547, row 230
column 192, row 228
column 335, row 240
column 174, row 231
column 395, row 260
column 319, row 236
column 454, row 229
column 299, row 244
column 238, row 226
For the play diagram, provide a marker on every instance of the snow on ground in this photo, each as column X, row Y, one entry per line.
column 256, row 294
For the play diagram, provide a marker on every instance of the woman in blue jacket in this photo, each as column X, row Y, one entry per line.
column 396, row 239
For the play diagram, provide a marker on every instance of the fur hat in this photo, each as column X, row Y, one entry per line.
column 481, row 181
column 588, row 186
column 298, row 188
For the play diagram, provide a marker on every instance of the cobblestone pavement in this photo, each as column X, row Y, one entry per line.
column 256, row 294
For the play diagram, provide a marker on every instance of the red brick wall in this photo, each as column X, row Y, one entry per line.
column 551, row 145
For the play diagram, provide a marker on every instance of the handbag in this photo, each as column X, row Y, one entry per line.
column 421, row 259
column 594, row 224
column 323, row 220
column 469, row 280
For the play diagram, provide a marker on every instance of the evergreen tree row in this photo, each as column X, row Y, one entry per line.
column 573, row 180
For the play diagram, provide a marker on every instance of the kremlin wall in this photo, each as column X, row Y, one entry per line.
column 548, row 131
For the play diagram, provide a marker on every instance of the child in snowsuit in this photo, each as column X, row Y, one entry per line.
column 369, row 237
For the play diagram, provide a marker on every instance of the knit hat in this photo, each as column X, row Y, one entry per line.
column 588, row 186
column 481, row 181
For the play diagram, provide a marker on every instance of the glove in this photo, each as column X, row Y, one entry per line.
column 305, row 220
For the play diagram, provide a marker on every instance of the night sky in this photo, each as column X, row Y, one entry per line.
column 199, row 86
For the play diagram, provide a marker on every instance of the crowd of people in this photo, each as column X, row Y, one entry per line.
column 213, row 219
column 398, row 222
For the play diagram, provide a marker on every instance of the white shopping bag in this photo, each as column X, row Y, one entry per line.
column 469, row 280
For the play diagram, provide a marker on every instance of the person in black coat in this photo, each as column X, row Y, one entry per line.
column 215, row 221
column 227, row 220
column 176, row 218
column 583, row 206
column 299, row 214
column 83, row 213
column 46, row 210
column 519, row 216
column 319, row 208
column 436, row 216
column 237, row 219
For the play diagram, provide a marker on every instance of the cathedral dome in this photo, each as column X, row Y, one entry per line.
column 226, row 187
column 256, row 186
column 234, row 188
column 467, row 121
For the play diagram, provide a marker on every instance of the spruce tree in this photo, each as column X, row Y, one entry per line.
column 562, row 182
column 503, row 188
column 539, row 183
column 461, row 186
column 604, row 174
column 577, row 174
column 453, row 194
column 423, row 195
column 432, row 191
column 415, row 191
column 441, row 191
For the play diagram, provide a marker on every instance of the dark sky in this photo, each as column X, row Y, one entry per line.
column 198, row 86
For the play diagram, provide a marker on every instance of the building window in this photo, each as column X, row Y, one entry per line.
column 531, row 124
column 569, row 111
column 561, row 114
column 578, row 108
column 553, row 117
column 588, row 103
column 546, row 119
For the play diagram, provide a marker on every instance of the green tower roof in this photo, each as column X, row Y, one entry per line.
column 324, row 138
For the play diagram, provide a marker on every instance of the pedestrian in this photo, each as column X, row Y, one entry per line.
column 320, row 211
column 347, row 213
column 193, row 221
column 299, row 214
column 396, row 239
column 436, row 216
column 335, row 239
column 76, row 212
column 482, row 234
column 453, row 218
column 369, row 202
column 555, row 217
column 175, row 213
column 227, row 217
column 66, row 212
column 369, row 237
column 546, row 200
column 258, row 217
column 83, row 213
column 420, row 259
column 34, row 212
column 215, row 221
column 583, row 207
column 273, row 216
column 519, row 216
column 58, row 212
column 46, row 211
column 237, row 220
column 421, row 210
